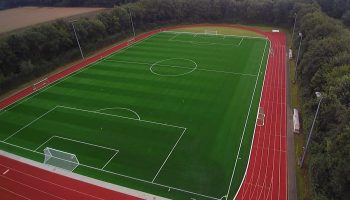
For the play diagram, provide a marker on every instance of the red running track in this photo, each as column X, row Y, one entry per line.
column 22, row 181
column 266, row 175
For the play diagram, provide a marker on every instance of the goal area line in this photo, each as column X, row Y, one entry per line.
column 202, row 33
column 115, row 151
column 194, row 35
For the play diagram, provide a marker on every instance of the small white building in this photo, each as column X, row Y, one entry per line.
column 296, row 123
column 290, row 54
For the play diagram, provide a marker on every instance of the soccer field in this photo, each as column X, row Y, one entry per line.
column 172, row 115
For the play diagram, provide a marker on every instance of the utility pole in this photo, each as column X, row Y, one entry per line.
column 132, row 23
column 319, row 96
column 296, row 62
column 295, row 21
column 76, row 37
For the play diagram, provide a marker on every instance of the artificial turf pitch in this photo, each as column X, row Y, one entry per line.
column 173, row 115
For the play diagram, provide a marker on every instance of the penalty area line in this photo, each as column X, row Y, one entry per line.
column 169, row 154
column 110, row 159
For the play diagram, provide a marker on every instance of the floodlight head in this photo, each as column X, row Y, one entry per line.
column 318, row 94
column 300, row 34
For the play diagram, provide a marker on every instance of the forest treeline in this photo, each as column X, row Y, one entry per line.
column 5, row 4
column 339, row 9
column 324, row 64
column 325, row 67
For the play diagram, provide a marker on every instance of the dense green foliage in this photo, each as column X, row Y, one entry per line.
column 5, row 4
column 336, row 8
column 325, row 67
column 175, row 99
column 324, row 63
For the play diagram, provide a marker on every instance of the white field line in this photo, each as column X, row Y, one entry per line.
column 239, row 44
column 116, row 151
column 15, row 104
column 277, row 65
column 173, row 75
column 200, row 69
column 121, row 108
column 250, row 163
column 200, row 43
column 230, row 35
column 10, row 191
column 270, row 191
column 44, row 143
column 94, row 145
column 5, row 172
column 171, row 39
column 152, row 122
column 274, row 134
column 52, row 195
column 204, row 43
column 46, row 181
column 169, row 155
column 251, row 145
column 122, row 175
column 282, row 118
column 245, row 125
column 273, row 117
column 110, row 160
column 29, row 124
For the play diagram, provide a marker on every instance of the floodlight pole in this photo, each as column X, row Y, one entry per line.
column 295, row 20
column 297, row 60
column 319, row 96
column 76, row 37
column 132, row 23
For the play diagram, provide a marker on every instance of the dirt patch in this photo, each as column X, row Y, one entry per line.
column 18, row 18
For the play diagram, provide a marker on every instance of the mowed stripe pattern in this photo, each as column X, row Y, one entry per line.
column 198, row 90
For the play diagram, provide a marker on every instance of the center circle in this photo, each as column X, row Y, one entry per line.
column 173, row 67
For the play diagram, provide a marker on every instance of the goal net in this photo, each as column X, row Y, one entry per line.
column 61, row 159
column 261, row 117
column 40, row 84
column 210, row 32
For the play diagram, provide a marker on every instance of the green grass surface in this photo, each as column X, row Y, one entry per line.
column 173, row 115
column 222, row 30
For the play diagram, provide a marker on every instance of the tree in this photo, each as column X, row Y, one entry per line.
column 346, row 18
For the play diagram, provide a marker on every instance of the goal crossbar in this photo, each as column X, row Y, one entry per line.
column 60, row 159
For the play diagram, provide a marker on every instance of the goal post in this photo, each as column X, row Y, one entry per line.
column 260, row 121
column 60, row 159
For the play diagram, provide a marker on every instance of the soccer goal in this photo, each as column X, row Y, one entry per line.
column 60, row 159
column 210, row 32
column 261, row 117
column 40, row 84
